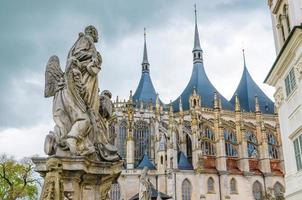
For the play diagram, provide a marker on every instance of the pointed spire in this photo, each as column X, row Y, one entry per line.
column 257, row 106
column 216, row 101
column 130, row 96
column 243, row 54
column 171, row 109
column 196, row 36
column 180, row 105
column 237, row 104
column 145, row 63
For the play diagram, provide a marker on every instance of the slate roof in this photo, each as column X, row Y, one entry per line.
column 145, row 90
column 204, row 89
column 246, row 92
column 146, row 162
column 183, row 162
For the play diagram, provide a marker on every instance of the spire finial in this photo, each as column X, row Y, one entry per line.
column 257, row 106
column 197, row 51
column 243, row 54
column 145, row 63
column 195, row 11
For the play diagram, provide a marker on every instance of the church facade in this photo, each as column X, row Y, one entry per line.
column 201, row 145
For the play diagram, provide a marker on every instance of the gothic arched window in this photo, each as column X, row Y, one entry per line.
column 142, row 139
column 233, row 186
column 121, row 139
column 278, row 191
column 115, row 192
column 257, row 190
column 252, row 144
column 189, row 148
column 230, row 143
column 211, row 185
column 208, row 141
column 186, row 190
column 272, row 146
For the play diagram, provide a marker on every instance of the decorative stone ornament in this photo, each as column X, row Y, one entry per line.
column 279, row 97
column 298, row 70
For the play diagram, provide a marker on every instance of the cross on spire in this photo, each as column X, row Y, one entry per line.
column 145, row 63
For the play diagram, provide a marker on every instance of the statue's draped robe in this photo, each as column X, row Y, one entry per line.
column 79, row 125
column 74, row 105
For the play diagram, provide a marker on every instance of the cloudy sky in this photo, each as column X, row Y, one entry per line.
column 32, row 31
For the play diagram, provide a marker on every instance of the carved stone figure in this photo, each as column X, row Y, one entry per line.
column 144, row 186
column 279, row 97
column 80, row 114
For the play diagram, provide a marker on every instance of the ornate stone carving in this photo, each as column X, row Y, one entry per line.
column 298, row 70
column 53, row 185
column 279, row 97
column 80, row 114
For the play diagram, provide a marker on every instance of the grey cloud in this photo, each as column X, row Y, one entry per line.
column 32, row 31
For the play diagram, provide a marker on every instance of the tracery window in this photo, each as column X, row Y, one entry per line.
column 233, row 185
column 257, row 190
column 252, row 144
column 142, row 139
column 121, row 139
column 279, row 191
column 186, row 190
column 189, row 148
column 115, row 192
column 230, row 143
column 211, row 185
column 208, row 141
column 272, row 146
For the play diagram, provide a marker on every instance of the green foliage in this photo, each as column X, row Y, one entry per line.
column 17, row 179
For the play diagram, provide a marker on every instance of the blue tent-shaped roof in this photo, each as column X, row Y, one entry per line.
column 204, row 89
column 200, row 81
column 183, row 162
column 145, row 90
column 246, row 92
column 146, row 162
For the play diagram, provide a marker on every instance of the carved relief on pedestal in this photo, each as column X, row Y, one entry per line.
column 298, row 69
column 279, row 97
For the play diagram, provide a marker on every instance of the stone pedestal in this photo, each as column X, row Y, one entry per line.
column 76, row 178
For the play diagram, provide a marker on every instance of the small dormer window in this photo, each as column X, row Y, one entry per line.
column 199, row 55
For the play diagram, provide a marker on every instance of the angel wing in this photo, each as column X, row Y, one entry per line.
column 53, row 75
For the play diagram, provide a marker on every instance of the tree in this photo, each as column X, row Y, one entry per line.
column 17, row 179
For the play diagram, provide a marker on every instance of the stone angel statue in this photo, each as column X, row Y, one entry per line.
column 80, row 128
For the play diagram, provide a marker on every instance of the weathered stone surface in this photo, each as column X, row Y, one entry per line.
column 76, row 178
column 81, row 115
